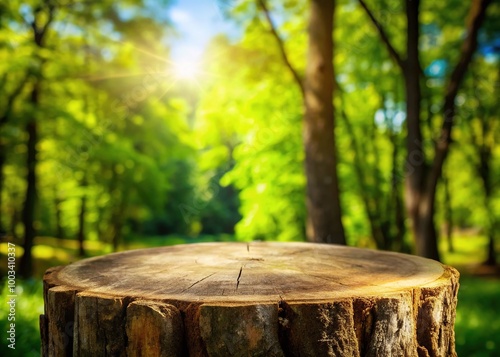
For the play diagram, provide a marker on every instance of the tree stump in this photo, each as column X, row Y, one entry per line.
column 256, row 299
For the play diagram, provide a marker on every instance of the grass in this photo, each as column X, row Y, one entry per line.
column 477, row 326
column 478, row 314
column 29, row 306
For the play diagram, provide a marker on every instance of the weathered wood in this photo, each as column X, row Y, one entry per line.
column 257, row 299
column 99, row 325
column 58, row 320
column 153, row 329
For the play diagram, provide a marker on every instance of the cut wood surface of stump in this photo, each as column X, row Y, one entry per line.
column 256, row 299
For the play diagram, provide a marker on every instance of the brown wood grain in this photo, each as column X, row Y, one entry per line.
column 256, row 299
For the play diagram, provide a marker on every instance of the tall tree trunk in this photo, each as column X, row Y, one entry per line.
column 421, row 179
column 324, row 223
column 45, row 16
column 419, row 196
column 26, row 264
column 323, row 202
column 476, row 17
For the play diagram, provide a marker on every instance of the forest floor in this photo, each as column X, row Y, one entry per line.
column 478, row 313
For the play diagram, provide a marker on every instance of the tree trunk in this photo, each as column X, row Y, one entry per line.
column 425, row 231
column 57, row 206
column 323, row 197
column 421, row 180
column 237, row 299
column 419, row 196
column 26, row 264
column 492, row 256
column 81, row 226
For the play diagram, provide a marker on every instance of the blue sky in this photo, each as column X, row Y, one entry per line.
column 197, row 21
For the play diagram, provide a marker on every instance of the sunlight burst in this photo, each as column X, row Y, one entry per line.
column 186, row 69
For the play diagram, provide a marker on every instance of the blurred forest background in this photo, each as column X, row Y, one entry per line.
column 384, row 136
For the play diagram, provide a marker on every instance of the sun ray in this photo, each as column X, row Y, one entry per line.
column 92, row 78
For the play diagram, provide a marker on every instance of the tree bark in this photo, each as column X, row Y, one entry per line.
column 323, row 197
column 419, row 200
column 237, row 299
column 39, row 32
column 324, row 216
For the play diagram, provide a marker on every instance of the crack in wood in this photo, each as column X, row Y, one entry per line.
column 197, row 282
column 248, row 247
column 281, row 300
column 238, row 279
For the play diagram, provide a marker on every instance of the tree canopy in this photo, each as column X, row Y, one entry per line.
column 102, row 139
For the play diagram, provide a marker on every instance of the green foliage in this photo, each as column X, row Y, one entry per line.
column 151, row 156
column 258, row 137
column 110, row 130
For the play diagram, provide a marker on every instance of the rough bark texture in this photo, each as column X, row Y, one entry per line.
column 258, row 299
column 153, row 329
column 324, row 222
